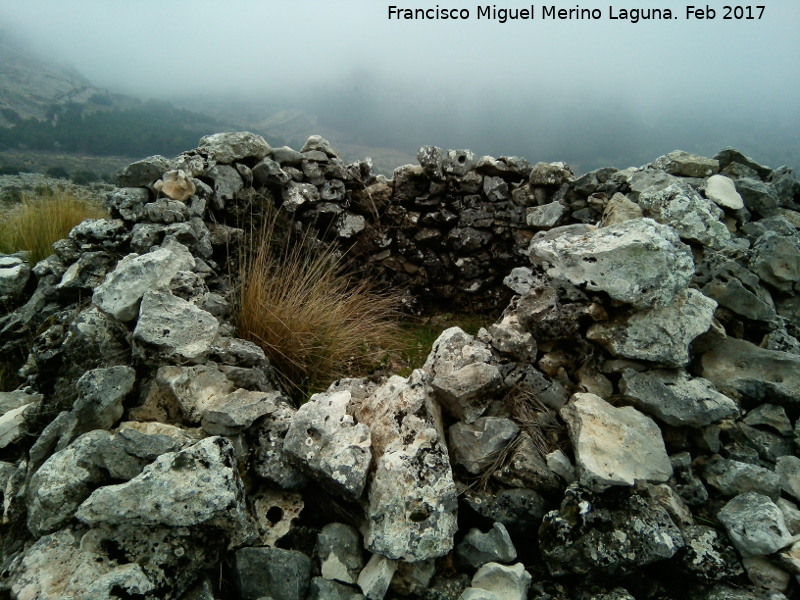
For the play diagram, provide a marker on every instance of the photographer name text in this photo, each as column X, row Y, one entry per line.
column 553, row 12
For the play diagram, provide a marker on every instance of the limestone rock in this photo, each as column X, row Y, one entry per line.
column 298, row 194
column 63, row 482
column 174, row 329
column 271, row 461
column 272, row 573
column 693, row 217
column 708, row 555
column 550, row 174
column 502, row 582
column 676, row 398
column 639, row 262
column 732, row 478
column 765, row 575
column 649, row 180
column 731, row 156
column 685, row 164
column 268, row 172
column 176, row 184
column 275, row 514
column 776, row 260
column 327, row 443
column 166, row 211
column 120, row 294
column 614, row 446
column 508, row 336
column 520, row 510
column 238, row 410
column 14, row 275
column 15, row 407
column 478, row 548
column 620, row 209
column 475, row 445
column 787, row 471
column 339, row 549
column 734, row 287
column 376, row 576
column 350, row 225
column 195, row 486
column 603, row 536
column 771, row 416
column 323, row 589
column 659, row 335
column 413, row 578
column 58, row 566
column 226, row 148
column 753, row 372
column 183, row 393
column 758, row 197
column 412, row 497
column 143, row 172
column 127, row 203
column 754, row 524
column 464, row 375
column 317, row 143
column 544, row 217
column 88, row 272
column 723, row 192
column 459, row 162
column 227, row 184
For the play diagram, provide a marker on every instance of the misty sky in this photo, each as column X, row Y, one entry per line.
column 453, row 74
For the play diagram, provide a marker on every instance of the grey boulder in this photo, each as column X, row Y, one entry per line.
column 639, row 261
column 614, row 446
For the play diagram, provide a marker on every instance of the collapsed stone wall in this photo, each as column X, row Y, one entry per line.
column 628, row 427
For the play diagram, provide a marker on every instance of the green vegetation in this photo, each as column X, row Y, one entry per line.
column 417, row 336
column 57, row 173
column 37, row 222
column 149, row 128
column 10, row 170
column 314, row 322
column 84, row 177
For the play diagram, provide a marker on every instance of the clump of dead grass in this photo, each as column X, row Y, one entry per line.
column 537, row 419
column 38, row 221
column 314, row 322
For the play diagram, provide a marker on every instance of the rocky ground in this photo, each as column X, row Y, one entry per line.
column 627, row 428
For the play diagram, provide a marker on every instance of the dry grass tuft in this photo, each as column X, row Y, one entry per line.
column 37, row 222
column 537, row 420
column 314, row 323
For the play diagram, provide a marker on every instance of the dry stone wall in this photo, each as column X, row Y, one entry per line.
column 628, row 427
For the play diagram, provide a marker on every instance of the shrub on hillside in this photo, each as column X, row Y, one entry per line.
column 10, row 170
column 84, row 177
column 57, row 173
column 313, row 322
column 37, row 222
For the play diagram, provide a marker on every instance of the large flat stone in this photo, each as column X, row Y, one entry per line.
column 614, row 446
column 639, row 261
column 172, row 328
column 753, row 372
column 119, row 295
column 660, row 335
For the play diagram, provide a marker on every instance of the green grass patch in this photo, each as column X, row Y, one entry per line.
column 38, row 221
column 416, row 337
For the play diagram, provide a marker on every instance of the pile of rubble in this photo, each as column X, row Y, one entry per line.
column 627, row 428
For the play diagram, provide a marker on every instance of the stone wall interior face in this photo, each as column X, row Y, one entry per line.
column 627, row 427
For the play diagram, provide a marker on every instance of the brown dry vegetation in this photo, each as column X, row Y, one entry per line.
column 314, row 322
column 37, row 222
